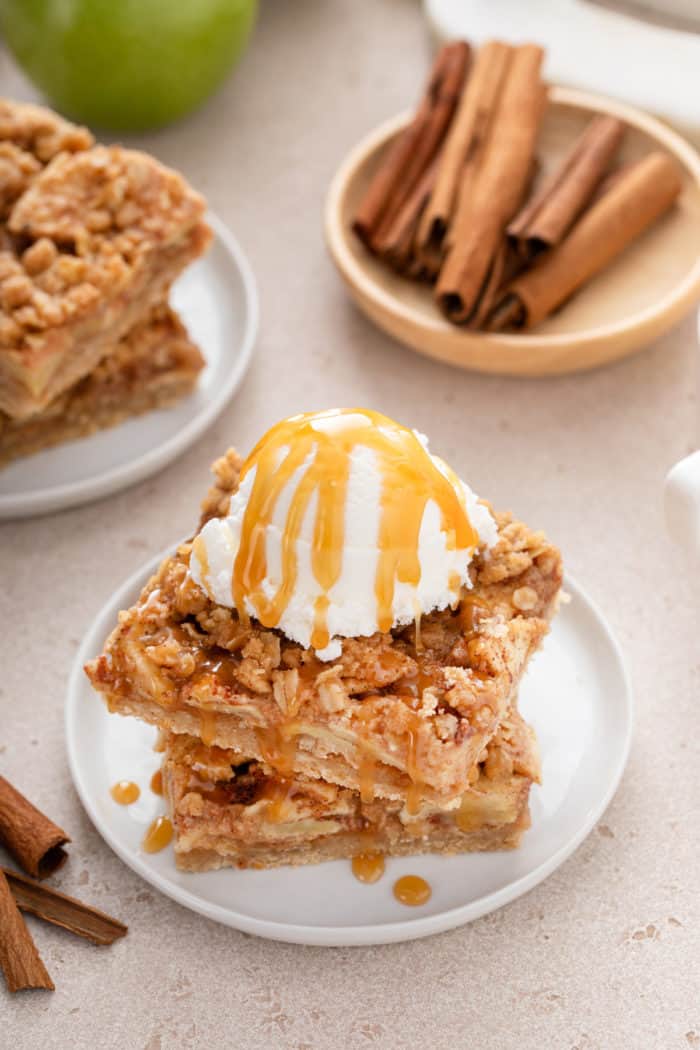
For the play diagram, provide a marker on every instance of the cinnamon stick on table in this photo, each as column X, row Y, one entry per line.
column 553, row 209
column 19, row 959
column 415, row 147
column 33, row 840
column 463, row 148
column 494, row 191
column 58, row 908
column 639, row 196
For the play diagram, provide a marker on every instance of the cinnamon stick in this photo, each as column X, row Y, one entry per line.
column 19, row 958
column 496, row 188
column 506, row 265
column 464, row 144
column 396, row 244
column 33, row 840
column 553, row 209
column 58, row 908
column 635, row 199
column 416, row 146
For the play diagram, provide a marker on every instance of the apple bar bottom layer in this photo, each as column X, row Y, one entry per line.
column 154, row 366
column 228, row 812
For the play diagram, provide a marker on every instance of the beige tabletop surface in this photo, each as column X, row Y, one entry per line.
column 604, row 954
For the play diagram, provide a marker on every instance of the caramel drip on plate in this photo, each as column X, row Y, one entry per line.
column 158, row 836
column 125, row 792
column 157, row 782
column 368, row 867
column 317, row 447
column 412, row 890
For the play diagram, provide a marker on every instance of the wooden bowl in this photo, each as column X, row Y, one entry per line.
column 642, row 294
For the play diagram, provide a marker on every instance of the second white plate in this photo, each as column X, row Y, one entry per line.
column 217, row 300
column 577, row 697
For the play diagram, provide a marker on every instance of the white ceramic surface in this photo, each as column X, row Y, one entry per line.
column 577, row 697
column 217, row 300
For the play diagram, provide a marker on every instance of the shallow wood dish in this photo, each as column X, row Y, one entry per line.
column 641, row 295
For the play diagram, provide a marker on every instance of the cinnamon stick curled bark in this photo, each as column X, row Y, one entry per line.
column 494, row 192
column 58, row 908
column 19, row 958
column 635, row 200
column 554, row 208
column 463, row 148
column 415, row 147
column 33, row 840
column 396, row 244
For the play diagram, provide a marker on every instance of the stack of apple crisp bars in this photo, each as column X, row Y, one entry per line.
column 91, row 239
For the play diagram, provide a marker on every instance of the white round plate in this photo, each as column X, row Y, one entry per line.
column 217, row 300
column 577, row 697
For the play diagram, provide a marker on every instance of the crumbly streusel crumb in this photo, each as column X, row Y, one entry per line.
column 85, row 227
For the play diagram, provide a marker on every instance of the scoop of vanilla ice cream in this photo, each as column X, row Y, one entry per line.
column 352, row 608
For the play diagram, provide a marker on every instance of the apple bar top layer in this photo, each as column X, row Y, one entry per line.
column 229, row 810
column 93, row 242
column 393, row 715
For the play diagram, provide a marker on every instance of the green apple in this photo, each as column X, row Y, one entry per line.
column 126, row 64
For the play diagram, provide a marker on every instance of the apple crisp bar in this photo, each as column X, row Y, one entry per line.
column 93, row 241
column 231, row 811
column 153, row 366
column 396, row 716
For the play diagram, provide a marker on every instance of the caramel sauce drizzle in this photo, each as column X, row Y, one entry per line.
column 278, row 748
column 368, row 867
column 410, row 479
column 125, row 792
column 413, row 794
column 471, row 613
column 277, row 793
column 367, row 764
column 366, row 774
column 158, row 836
column 207, row 727
column 157, row 782
column 464, row 817
column 223, row 668
column 412, row 890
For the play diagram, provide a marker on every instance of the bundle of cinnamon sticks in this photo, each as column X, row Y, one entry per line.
column 457, row 200
column 36, row 843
